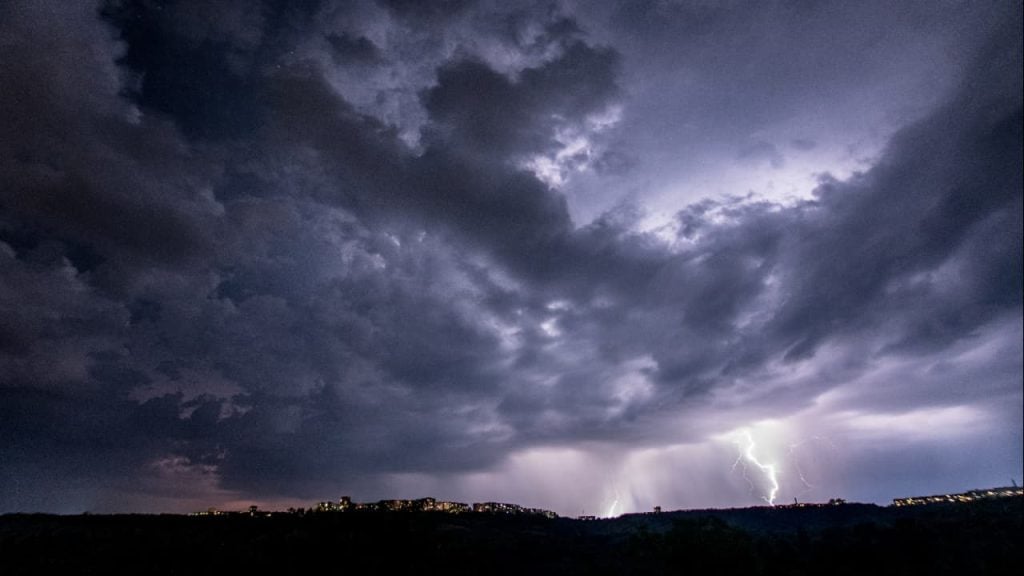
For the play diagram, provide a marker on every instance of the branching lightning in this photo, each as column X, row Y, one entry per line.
column 799, row 471
column 746, row 446
column 808, row 487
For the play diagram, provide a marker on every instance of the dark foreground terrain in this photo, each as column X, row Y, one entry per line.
column 976, row 538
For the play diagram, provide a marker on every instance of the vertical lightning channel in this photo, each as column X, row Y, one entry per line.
column 614, row 505
column 747, row 446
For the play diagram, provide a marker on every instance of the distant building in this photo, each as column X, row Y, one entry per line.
column 797, row 504
column 451, row 507
column 657, row 509
column 541, row 512
column 969, row 496
column 326, row 506
column 498, row 508
column 504, row 508
column 429, row 505
column 342, row 505
column 393, row 505
column 208, row 512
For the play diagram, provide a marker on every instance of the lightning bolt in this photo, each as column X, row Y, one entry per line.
column 611, row 509
column 746, row 447
column 808, row 487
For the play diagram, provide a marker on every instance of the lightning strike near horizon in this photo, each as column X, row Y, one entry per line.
column 794, row 460
column 747, row 454
column 613, row 506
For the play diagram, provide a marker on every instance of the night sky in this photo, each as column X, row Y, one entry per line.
column 586, row 256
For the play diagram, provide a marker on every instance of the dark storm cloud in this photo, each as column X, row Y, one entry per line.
column 348, row 49
column 935, row 204
column 480, row 109
column 87, row 171
column 427, row 10
column 219, row 268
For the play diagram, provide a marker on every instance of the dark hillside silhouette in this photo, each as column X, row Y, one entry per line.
column 976, row 538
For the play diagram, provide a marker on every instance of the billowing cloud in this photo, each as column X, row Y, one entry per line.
column 277, row 253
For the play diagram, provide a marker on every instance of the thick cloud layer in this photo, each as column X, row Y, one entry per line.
column 279, row 253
